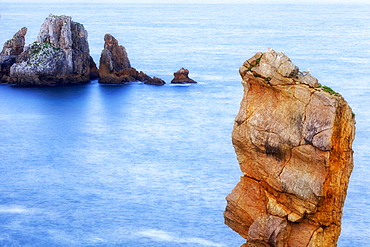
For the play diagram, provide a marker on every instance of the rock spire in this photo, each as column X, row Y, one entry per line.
column 293, row 140
column 14, row 46
column 115, row 66
column 11, row 50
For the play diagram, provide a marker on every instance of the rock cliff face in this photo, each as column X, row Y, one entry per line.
column 115, row 66
column 59, row 56
column 14, row 46
column 11, row 49
column 182, row 76
column 293, row 140
column 94, row 72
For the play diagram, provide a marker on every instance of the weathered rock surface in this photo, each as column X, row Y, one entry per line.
column 115, row 66
column 293, row 140
column 15, row 45
column 59, row 56
column 11, row 49
column 94, row 71
column 182, row 76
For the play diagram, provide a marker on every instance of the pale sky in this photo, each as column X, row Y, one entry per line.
column 207, row 1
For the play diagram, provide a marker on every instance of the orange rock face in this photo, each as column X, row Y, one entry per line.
column 182, row 76
column 293, row 140
column 115, row 66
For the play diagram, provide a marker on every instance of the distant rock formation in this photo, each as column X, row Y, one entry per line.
column 115, row 66
column 182, row 76
column 59, row 56
column 11, row 50
column 293, row 140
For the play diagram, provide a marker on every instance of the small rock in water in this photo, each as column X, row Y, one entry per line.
column 182, row 76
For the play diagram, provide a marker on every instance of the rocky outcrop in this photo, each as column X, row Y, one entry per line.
column 11, row 49
column 293, row 140
column 182, row 76
column 115, row 66
column 59, row 56
column 94, row 71
column 14, row 46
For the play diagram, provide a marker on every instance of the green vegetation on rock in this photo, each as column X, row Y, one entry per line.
column 329, row 90
column 42, row 52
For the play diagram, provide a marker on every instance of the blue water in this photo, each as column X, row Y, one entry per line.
column 140, row 165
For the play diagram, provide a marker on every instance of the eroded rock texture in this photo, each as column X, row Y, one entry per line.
column 59, row 56
column 11, row 50
column 182, row 76
column 115, row 66
column 293, row 140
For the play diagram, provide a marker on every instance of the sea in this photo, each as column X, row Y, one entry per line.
column 142, row 165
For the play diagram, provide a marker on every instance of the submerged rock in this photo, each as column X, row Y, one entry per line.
column 11, row 49
column 293, row 140
column 59, row 56
column 115, row 66
column 182, row 76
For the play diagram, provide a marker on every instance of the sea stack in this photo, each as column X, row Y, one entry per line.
column 182, row 76
column 11, row 50
column 293, row 140
column 59, row 56
column 115, row 67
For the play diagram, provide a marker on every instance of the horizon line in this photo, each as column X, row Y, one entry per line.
column 343, row 2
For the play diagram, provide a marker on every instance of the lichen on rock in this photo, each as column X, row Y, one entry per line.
column 293, row 141
column 60, row 55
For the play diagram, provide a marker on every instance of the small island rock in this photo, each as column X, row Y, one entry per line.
column 115, row 67
column 182, row 76
column 60, row 55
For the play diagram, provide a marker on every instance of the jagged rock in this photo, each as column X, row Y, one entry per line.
column 182, row 76
column 115, row 66
column 11, row 49
column 5, row 63
column 14, row 46
column 293, row 140
column 94, row 72
column 154, row 81
column 59, row 56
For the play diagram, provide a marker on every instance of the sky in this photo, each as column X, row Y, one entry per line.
column 208, row 1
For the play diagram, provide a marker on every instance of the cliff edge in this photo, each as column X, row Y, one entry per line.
column 293, row 140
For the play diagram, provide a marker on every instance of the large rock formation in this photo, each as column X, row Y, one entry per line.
column 293, row 140
column 59, row 56
column 11, row 50
column 115, row 66
column 182, row 76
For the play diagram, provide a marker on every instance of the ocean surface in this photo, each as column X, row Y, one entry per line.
column 140, row 165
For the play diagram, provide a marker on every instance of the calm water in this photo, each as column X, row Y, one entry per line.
column 140, row 165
